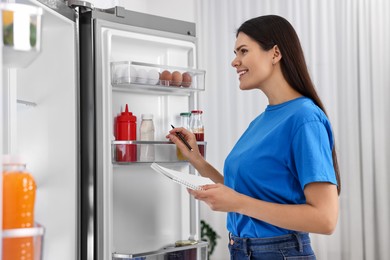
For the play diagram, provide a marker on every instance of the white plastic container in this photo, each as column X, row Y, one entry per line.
column 147, row 134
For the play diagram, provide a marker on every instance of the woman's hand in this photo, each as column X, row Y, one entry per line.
column 189, row 137
column 219, row 197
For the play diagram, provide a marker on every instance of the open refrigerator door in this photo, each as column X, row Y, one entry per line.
column 39, row 114
column 128, row 210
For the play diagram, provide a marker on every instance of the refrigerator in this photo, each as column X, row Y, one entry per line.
column 61, row 113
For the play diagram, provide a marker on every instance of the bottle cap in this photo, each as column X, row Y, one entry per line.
column 185, row 114
column 127, row 116
column 147, row 116
column 13, row 159
column 196, row 111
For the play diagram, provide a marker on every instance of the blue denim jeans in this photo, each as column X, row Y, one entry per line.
column 293, row 246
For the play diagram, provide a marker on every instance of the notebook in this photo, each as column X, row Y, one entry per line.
column 191, row 181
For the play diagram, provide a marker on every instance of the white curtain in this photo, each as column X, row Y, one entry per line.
column 346, row 45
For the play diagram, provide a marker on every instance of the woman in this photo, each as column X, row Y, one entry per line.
column 281, row 180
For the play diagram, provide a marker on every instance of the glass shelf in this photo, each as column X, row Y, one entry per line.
column 137, row 76
column 20, row 237
column 192, row 252
column 129, row 152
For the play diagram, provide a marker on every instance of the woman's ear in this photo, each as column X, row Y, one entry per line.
column 277, row 55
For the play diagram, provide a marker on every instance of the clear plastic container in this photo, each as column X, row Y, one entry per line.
column 165, row 151
column 144, row 75
column 34, row 235
column 21, row 29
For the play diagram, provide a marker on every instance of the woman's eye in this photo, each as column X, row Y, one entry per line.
column 243, row 51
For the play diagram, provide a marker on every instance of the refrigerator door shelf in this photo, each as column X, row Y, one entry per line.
column 24, row 236
column 159, row 151
column 196, row 251
column 21, row 30
column 156, row 77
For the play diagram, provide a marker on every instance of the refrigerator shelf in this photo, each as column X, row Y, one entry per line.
column 145, row 76
column 195, row 251
column 21, row 30
column 152, row 89
column 23, row 236
column 130, row 152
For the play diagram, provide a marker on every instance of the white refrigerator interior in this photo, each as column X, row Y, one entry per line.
column 148, row 211
column 135, row 211
column 40, row 108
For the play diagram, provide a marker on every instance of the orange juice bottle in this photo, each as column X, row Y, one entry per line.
column 18, row 208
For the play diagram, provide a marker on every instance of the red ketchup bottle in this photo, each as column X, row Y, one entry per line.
column 126, row 130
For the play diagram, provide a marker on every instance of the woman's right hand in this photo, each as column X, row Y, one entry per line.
column 189, row 137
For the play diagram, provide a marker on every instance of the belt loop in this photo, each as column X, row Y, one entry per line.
column 245, row 246
column 231, row 241
column 299, row 240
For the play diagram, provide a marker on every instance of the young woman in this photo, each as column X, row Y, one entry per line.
column 281, row 179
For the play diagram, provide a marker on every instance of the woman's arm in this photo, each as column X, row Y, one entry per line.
column 318, row 215
column 194, row 157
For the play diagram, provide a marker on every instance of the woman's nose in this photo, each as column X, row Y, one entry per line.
column 235, row 62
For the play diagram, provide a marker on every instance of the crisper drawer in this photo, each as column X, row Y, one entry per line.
column 197, row 251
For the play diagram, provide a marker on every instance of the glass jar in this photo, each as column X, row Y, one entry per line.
column 147, row 134
column 185, row 123
column 197, row 127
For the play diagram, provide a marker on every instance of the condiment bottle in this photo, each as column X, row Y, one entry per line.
column 185, row 123
column 147, row 134
column 197, row 128
column 19, row 190
column 126, row 130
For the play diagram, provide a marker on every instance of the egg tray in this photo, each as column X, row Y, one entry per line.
column 137, row 73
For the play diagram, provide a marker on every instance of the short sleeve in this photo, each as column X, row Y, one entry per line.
column 312, row 153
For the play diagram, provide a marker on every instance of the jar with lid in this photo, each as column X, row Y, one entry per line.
column 19, row 190
column 185, row 123
column 147, row 134
column 197, row 128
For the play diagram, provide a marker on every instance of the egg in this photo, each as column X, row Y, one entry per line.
column 153, row 77
column 142, row 76
column 176, row 78
column 165, row 78
column 187, row 80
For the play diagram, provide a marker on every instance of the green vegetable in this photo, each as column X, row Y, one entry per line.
column 8, row 35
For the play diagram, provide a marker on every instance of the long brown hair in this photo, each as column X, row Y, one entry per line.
column 271, row 30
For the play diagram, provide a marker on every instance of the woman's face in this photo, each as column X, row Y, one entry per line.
column 253, row 64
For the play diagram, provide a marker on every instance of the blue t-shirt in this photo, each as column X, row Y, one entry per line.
column 286, row 147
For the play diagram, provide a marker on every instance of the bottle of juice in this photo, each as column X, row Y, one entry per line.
column 18, row 208
column 185, row 123
column 197, row 128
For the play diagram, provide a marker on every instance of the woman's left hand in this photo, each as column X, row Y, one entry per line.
column 218, row 196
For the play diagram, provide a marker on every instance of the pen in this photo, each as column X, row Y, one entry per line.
column 184, row 140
